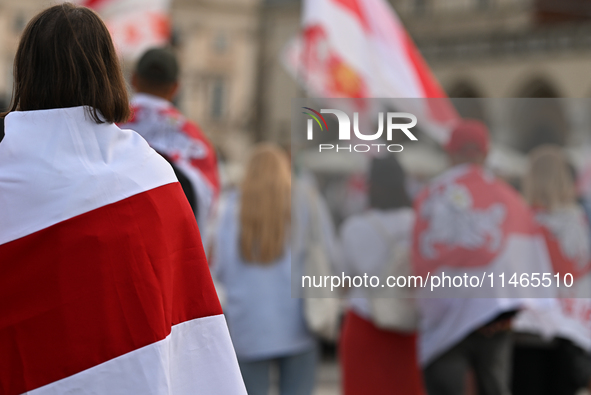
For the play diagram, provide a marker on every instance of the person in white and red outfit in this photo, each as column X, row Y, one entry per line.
column 552, row 342
column 469, row 221
column 179, row 140
column 104, row 282
column 375, row 359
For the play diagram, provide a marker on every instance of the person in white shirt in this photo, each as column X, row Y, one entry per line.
column 377, row 360
column 179, row 140
column 553, row 339
column 468, row 221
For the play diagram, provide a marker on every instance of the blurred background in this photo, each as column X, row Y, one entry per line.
column 234, row 84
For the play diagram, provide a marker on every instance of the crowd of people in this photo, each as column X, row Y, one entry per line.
column 469, row 344
column 467, row 219
column 268, row 229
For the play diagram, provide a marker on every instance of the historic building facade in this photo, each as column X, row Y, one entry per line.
column 235, row 86
column 511, row 49
column 14, row 15
column 476, row 49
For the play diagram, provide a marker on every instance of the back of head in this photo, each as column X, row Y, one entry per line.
column 66, row 58
column 387, row 184
column 548, row 183
column 469, row 142
column 265, row 205
column 156, row 72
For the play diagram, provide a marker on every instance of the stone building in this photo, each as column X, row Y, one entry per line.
column 14, row 15
column 476, row 49
column 234, row 85
column 218, row 44
column 511, row 49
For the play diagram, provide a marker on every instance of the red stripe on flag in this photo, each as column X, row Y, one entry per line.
column 354, row 7
column 431, row 87
column 98, row 286
column 441, row 110
column 94, row 4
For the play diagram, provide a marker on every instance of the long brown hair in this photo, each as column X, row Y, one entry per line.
column 265, row 205
column 548, row 183
column 387, row 184
column 66, row 58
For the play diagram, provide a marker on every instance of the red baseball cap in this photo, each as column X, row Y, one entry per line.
column 468, row 134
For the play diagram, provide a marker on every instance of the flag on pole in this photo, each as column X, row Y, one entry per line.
column 104, row 285
column 359, row 48
column 135, row 25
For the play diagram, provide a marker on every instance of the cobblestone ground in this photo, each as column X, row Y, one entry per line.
column 328, row 381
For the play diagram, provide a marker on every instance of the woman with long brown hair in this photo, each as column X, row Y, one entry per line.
column 253, row 259
column 104, row 284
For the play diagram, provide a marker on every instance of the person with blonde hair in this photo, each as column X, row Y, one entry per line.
column 252, row 261
column 559, row 365
column 548, row 184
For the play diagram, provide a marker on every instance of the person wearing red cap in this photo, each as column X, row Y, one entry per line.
column 466, row 219
column 468, row 143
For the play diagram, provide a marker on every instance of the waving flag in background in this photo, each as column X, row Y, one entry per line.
column 135, row 25
column 359, row 48
column 104, row 284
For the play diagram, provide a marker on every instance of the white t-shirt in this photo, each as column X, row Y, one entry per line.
column 366, row 249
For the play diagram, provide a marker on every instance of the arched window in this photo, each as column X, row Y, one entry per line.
column 540, row 120
column 538, row 88
column 466, row 99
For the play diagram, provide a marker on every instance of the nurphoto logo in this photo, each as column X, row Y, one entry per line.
column 392, row 124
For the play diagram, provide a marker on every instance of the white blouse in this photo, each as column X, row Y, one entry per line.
column 367, row 249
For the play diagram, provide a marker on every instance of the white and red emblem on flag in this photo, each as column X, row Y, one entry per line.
column 465, row 218
column 104, row 285
column 359, row 49
column 566, row 231
column 469, row 223
column 135, row 25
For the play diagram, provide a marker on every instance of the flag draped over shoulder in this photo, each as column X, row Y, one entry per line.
column 469, row 222
column 566, row 231
column 104, row 285
column 135, row 25
column 184, row 143
column 465, row 220
column 359, row 49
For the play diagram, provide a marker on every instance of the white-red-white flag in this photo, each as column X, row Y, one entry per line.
column 566, row 231
column 104, row 285
column 135, row 25
column 360, row 49
column 469, row 223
